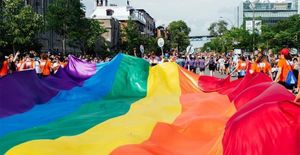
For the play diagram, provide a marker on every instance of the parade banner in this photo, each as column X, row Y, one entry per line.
column 127, row 107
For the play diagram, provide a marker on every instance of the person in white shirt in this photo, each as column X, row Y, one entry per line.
column 37, row 66
column 222, row 65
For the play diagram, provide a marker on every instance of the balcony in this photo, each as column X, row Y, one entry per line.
column 137, row 16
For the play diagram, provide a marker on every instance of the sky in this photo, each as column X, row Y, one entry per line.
column 198, row 14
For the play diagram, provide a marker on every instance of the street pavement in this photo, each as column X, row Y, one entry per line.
column 219, row 75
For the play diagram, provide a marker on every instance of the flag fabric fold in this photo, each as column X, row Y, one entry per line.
column 126, row 107
column 23, row 90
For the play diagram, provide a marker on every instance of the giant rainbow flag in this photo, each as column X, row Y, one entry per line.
column 125, row 107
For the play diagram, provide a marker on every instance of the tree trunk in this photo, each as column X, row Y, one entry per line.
column 64, row 45
column 14, row 48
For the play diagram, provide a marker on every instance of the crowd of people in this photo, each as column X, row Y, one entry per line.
column 44, row 64
column 283, row 68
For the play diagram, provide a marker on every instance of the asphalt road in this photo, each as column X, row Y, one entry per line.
column 219, row 75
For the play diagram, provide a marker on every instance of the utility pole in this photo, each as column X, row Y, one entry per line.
column 232, row 25
column 253, row 26
column 238, row 17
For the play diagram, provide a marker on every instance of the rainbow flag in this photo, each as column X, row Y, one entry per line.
column 126, row 107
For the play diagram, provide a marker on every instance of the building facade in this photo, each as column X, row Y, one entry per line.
column 49, row 39
column 109, row 40
column 103, row 11
column 161, row 32
column 149, row 25
column 268, row 12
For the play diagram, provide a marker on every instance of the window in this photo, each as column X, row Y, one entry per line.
column 109, row 12
column 99, row 2
column 37, row 3
column 28, row 2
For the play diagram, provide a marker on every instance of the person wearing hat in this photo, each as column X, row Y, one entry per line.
column 284, row 67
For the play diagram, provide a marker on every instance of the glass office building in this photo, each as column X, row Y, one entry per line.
column 268, row 12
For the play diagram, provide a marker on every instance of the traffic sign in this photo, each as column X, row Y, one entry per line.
column 161, row 42
column 142, row 49
column 190, row 50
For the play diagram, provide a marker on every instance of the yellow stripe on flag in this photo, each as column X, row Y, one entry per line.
column 161, row 105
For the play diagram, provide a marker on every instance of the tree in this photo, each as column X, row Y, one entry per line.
column 65, row 17
column 285, row 33
column 87, row 35
column 288, row 32
column 21, row 24
column 132, row 37
column 3, row 41
column 150, row 44
column 267, row 37
column 179, row 35
column 234, row 38
column 218, row 28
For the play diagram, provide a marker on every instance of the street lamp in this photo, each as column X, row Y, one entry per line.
column 252, row 4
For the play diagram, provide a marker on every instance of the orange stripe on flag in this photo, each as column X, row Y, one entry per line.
column 198, row 130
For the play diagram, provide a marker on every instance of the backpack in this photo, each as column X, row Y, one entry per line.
column 211, row 63
column 291, row 79
column 242, row 73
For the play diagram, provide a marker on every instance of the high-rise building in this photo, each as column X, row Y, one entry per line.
column 267, row 12
column 296, row 4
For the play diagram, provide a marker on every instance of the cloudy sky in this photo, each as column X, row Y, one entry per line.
column 197, row 13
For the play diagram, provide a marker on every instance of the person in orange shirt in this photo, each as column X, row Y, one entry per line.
column 262, row 65
column 4, row 67
column 45, row 65
column 284, row 66
column 241, row 67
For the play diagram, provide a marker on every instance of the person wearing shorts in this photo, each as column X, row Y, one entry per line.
column 241, row 67
column 202, row 66
column 227, row 62
column 211, row 65
column 284, row 66
column 222, row 65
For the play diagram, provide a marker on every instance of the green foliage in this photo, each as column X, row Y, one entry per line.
column 150, row 45
column 87, row 35
column 285, row 33
column 234, row 38
column 65, row 17
column 288, row 32
column 218, row 28
column 21, row 24
column 132, row 37
column 3, row 41
column 179, row 35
